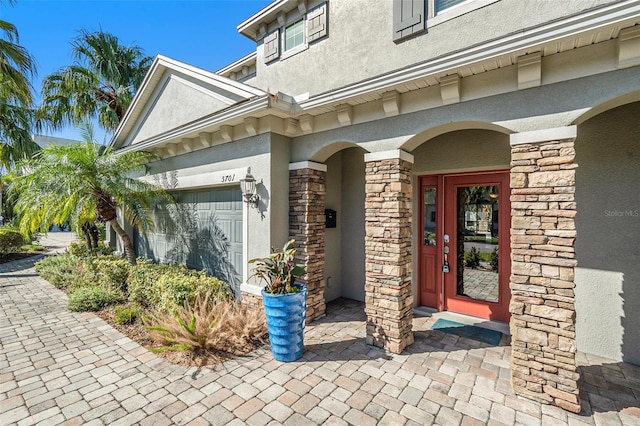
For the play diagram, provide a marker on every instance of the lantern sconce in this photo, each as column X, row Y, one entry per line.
column 248, row 188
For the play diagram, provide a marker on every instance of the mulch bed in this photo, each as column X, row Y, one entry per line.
column 5, row 258
column 199, row 358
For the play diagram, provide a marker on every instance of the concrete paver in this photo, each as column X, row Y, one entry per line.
column 57, row 366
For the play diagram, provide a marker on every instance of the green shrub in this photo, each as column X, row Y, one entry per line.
column 62, row 271
column 92, row 298
column 472, row 258
column 109, row 272
column 10, row 240
column 143, row 275
column 493, row 260
column 166, row 287
column 79, row 249
column 32, row 247
column 127, row 314
column 175, row 290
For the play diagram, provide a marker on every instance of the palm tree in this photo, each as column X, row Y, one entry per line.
column 76, row 182
column 100, row 84
column 17, row 67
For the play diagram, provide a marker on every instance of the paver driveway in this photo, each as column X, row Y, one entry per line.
column 62, row 367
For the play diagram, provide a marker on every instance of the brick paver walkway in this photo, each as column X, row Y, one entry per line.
column 62, row 367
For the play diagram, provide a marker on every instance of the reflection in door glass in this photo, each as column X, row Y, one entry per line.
column 477, row 242
column 429, row 216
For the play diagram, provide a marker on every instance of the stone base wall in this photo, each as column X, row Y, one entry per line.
column 388, row 297
column 307, row 190
column 252, row 301
column 543, row 233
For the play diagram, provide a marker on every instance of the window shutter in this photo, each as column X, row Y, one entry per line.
column 272, row 46
column 317, row 23
column 408, row 18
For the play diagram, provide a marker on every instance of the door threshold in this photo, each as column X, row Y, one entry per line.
column 502, row 327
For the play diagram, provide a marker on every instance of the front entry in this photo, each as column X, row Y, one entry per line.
column 464, row 250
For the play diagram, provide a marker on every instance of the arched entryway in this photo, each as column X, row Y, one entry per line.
column 345, row 230
column 461, row 231
column 607, row 224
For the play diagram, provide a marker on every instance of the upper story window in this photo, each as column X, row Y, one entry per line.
column 296, row 32
column 411, row 17
column 294, row 35
column 441, row 5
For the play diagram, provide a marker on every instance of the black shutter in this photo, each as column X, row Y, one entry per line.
column 317, row 23
column 272, row 46
column 408, row 18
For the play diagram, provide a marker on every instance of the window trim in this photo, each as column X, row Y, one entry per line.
column 453, row 11
column 283, row 39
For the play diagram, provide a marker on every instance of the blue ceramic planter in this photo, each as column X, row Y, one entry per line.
column 286, row 314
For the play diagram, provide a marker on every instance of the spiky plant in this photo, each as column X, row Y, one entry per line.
column 210, row 324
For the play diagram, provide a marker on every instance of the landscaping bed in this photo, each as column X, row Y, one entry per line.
column 14, row 247
column 182, row 315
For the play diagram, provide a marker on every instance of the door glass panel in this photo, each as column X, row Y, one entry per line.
column 477, row 242
column 429, row 219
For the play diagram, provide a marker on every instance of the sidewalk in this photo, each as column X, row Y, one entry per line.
column 59, row 367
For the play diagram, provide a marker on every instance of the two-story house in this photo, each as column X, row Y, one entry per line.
column 479, row 156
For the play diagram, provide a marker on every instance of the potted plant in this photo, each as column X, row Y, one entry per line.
column 284, row 300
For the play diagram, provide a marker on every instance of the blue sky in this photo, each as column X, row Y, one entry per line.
column 201, row 33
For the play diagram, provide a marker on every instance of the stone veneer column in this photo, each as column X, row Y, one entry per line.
column 307, row 190
column 388, row 203
column 543, row 232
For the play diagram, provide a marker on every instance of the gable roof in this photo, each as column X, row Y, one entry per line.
column 43, row 140
column 234, row 92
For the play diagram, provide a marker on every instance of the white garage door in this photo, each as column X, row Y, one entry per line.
column 203, row 231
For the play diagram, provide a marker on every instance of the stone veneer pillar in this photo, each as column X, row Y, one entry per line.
column 543, row 232
column 388, row 204
column 307, row 191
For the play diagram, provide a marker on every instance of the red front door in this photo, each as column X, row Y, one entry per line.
column 464, row 253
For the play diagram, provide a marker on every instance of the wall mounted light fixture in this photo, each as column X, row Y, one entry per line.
column 248, row 188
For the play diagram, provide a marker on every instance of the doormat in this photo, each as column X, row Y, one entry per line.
column 484, row 335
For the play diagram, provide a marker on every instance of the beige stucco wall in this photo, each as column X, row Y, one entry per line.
column 358, row 28
column 344, row 245
column 608, row 234
column 353, row 234
column 267, row 225
column 464, row 150
column 178, row 100
column 332, row 237
column 278, row 192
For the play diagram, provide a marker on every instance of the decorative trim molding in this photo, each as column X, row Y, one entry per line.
column 391, row 103
column 226, row 132
column 544, row 135
column 345, row 114
column 629, row 47
column 215, row 119
column 290, row 126
column 251, row 125
column 388, row 155
column 308, row 165
column 530, row 70
column 450, row 89
column 306, row 123
column 541, row 34
column 206, row 139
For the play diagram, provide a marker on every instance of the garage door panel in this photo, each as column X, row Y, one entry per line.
column 203, row 231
